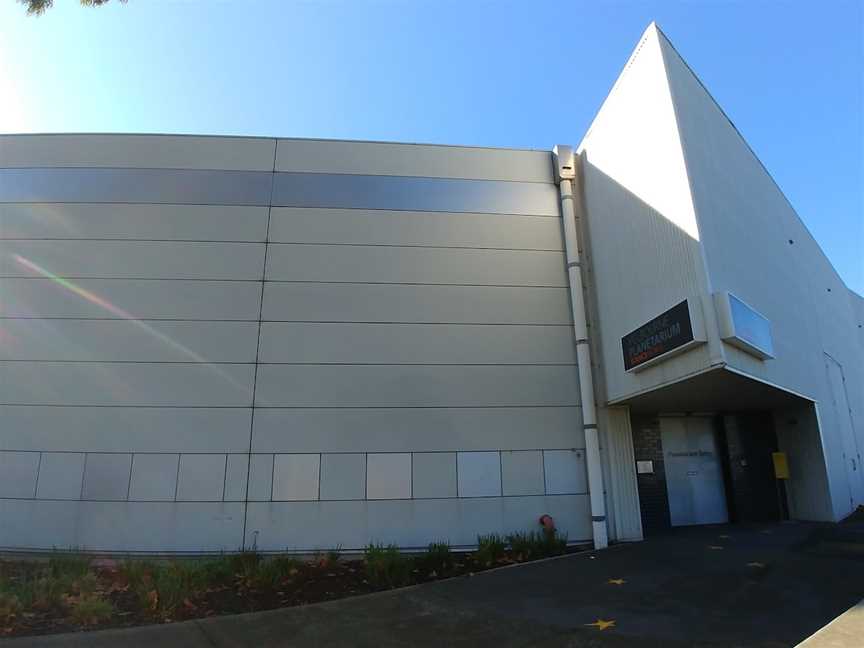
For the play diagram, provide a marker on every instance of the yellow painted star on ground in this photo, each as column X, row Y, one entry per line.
column 602, row 624
column 616, row 581
column 756, row 564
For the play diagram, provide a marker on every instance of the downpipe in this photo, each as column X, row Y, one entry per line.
column 565, row 175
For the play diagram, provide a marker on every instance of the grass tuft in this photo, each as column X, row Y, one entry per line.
column 386, row 566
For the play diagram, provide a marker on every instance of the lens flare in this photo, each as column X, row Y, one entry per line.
column 93, row 298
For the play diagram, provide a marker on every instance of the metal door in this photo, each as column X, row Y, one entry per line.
column 694, row 475
column 842, row 417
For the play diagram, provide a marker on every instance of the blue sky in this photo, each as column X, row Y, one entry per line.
column 525, row 74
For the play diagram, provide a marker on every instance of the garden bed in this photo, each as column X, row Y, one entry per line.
column 69, row 592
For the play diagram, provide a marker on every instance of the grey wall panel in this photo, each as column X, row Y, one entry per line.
column 61, row 475
column 388, row 475
column 133, row 260
column 121, row 526
column 522, row 473
column 18, row 471
column 390, row 303
column 565, row 471
column 383, row 227
column 414, row 343
column 415, row 386
column 421, row 429
column 154, row 477
column 296, row 477
column 300, row 526
column 236, row 477
column 158, row 186
column 478, row 474
column 144, row 151
column 402, row 193
column 118, row 299
column 94, row 383
column 376, row 264
column 107, row 476
column 201, row 478
column 343, row 476
column 261, row 467
column 124, row 429
column 386, row 158
column 433, row 475
column 157, row 341
column 125, row 221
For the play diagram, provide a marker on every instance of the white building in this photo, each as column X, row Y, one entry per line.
column 212, row 343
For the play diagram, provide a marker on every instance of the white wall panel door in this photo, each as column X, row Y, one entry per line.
column 694, row 477
column 842, row 417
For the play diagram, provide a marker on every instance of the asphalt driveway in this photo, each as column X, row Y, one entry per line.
column 768, row 585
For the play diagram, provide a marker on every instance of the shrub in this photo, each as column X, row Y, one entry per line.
column 68, row 567
column 490, row 549
column 438, row 558
column 91, row 610
column 537, row 544
column 10, row 606
column 271, row 573
column 386, row 567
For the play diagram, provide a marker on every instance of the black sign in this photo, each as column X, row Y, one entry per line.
column 665, row 332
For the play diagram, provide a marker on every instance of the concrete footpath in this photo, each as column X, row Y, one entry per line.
column 768, row 585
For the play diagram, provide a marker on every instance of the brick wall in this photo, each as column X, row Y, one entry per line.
column 647, row 446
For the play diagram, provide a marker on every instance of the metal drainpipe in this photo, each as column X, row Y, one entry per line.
column 565, row 175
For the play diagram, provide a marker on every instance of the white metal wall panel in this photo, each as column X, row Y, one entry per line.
column 522, row 472
column 382, row 158
column 415, row 310
column 129, row 340
column 201, row 478
column 404, row 429
column 154, row 477
column 142, row 151
column 388, row 475
column 433, row 475
column 132, row 259
column 385, row 227
column 97, row 383
column 296, row 477
column 106, row 476
column 409, row 523
column 138, row 299
column 284, row 342
column 128, row 221
column 125, row 429
column 415, row 386
column 413, row 265
column 18, row 472
column 343, row 476
column 61, row 475
column 122, row 526
column 347, row 302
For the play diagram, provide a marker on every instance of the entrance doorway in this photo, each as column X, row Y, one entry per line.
column 694, row 472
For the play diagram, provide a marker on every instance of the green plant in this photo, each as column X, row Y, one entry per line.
column 68, row 566
column 271, row 573
column 91, row 610
column 86, row 584
column 438, row 558
column 490, row 549
column 386, row 566
column 245, row 564
column 536, row 544
column 10, row 606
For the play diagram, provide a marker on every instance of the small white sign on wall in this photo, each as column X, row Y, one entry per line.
column 643, row 467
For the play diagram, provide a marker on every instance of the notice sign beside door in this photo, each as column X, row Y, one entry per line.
column 669, row 331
